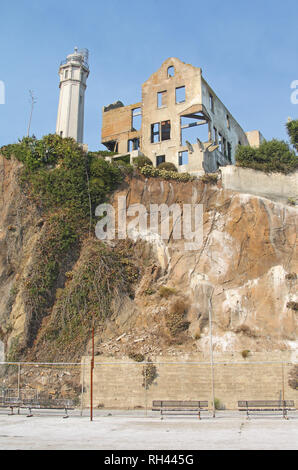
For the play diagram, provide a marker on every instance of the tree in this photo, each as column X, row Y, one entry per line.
column 271, row 156
column 292, row 128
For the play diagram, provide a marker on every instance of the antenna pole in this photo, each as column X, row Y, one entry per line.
column 33, row 101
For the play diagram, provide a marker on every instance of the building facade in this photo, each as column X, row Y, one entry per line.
column 179, row 120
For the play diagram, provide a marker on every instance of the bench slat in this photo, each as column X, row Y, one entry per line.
column 265, row 403
column 175, row 403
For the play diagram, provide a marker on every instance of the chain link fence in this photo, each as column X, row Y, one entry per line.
column 127, row 385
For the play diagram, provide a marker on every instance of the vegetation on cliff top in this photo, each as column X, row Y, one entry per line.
column 271, row 156
column 292, row 128
column 67, row 185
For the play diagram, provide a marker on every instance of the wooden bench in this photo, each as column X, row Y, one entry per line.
column 179, row 407
column 31, row 404
column 53, row 404
column 267, row 405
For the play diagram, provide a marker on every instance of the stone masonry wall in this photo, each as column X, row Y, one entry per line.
column 119, row 384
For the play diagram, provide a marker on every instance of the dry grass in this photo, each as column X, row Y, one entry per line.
column 175, row 317
column 166, row 292
column 246, row 330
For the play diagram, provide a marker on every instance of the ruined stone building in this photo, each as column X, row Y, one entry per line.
column 179, row 120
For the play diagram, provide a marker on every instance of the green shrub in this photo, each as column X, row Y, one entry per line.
column 136, row 357
column 209, row 178
column 66, row 184
column 246, row 330
column 271, row 156
column 149, row 291
column 166, row 292
column 125, row 168
column 291, row 201
column 141, row 161
column 245, row 353
column 150, row 171
column 291, row 276
column 102, row 274
column 293, row 306
column 292, row 128
column 149, row 373
column 122, row 158
column 167, row 166
column 218, row 404
column 293, row 377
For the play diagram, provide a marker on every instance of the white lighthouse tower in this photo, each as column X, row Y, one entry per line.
column 73, row 74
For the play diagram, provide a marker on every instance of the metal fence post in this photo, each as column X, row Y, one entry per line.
column 146, row 397
column 82, row 388
column 19, row 379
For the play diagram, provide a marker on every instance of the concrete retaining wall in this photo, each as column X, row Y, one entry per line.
column 119, row 384
column 275, row 186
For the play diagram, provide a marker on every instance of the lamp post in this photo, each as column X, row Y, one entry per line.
column 91, row 376
column 33, row 101
column 211, row 357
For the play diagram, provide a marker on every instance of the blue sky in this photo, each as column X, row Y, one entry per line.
column 247, row 50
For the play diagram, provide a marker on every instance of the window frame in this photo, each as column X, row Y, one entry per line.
column 180, row 88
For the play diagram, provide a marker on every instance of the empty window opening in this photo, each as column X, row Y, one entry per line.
column 215, row 136
column 224, row 146
column 183, row 158
column 229, row 151
column 228, row 122
column 133, row 144
column 136, row 119
column 160, row 131
column 211, row 102
column 220, row 143
column 161, row 99
column 180, row 94
column 112, row 146
column 155, row 133
column 66, row 74
column 192, row 131
column 171, row 71
column 160, row 159
column 165, row 130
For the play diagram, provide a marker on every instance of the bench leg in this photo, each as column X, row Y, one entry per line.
column 199, row 415
column 11, row 411
column 161, row 416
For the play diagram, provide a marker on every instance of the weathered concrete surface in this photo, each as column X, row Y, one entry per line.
column 189, row 377
column 275, row 186
column 200, row 109
column 226, row 432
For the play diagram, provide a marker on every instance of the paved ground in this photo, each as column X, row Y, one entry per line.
column 123, row 431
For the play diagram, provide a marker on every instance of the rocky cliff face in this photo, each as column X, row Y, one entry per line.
column 19, row 231
column 242, row 277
